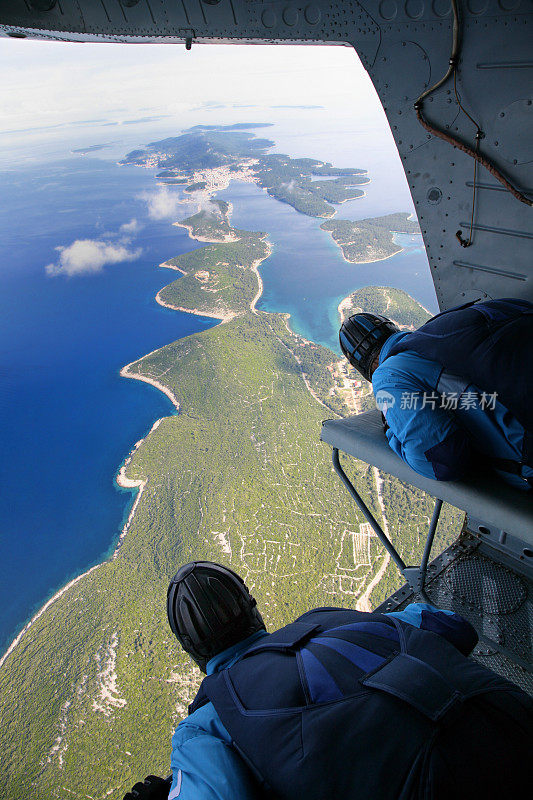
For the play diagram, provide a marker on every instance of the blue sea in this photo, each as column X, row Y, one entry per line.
column 68, row 418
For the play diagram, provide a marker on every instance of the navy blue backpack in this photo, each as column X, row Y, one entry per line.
column 342, row 704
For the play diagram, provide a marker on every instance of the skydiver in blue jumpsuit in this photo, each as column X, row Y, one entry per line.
column 457, row 393
column 337, row 704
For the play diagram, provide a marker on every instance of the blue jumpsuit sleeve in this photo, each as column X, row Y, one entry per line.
column 204, row 764
column 456, row 629
column 422, row 434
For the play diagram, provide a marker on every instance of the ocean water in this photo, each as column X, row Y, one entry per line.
column 307, row 276
column 68, row 419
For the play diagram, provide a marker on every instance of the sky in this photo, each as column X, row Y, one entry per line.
column 48, row 83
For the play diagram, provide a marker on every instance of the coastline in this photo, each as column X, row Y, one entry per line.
column 124, row 483
column 351, row 199
column 125, row 373
column 299, row 361
column 127, row 483
column 225, row 240
column 370, row 260
column 346, row 303
column 196, row 312
column 376, row 260
column 168, row 265
column 120, row 478
column 43, row 608
column 255, row 269
column 343, row 305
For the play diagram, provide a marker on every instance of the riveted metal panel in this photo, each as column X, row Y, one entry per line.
column 62, row 17
column 493, row 79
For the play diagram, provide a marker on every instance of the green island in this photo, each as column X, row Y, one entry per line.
column 195, row 187
column 370, row 239
column 91, row 694
column 201, row 147
column 230, row 149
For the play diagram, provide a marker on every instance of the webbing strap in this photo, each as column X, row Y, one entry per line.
column 416, row 683
column 507, row 465
column 362, row 658
column 321, row 685
column 291, row 637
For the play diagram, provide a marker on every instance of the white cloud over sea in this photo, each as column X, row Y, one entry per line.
column 89, row 256
column 162, row 203
column 131, row 227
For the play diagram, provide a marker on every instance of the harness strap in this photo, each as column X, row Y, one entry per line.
column 507, row 465
column 416, row 683
column 289, row 638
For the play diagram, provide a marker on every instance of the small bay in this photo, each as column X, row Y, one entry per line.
column 307, row 276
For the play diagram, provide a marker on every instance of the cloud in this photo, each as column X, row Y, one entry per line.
column 207, row 205
column 88, row 256
column 131, row 227
column 162, row 204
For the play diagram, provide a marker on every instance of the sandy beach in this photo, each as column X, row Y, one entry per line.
column 255, row 269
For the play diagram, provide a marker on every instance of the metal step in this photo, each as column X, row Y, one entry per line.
column 494, row 593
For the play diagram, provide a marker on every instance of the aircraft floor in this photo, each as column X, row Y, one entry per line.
column 488, row 590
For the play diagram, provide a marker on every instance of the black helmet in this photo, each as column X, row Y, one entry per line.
column 361, row 338
column 209, row 609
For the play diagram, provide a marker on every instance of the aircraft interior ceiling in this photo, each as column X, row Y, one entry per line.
column 454, row 78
